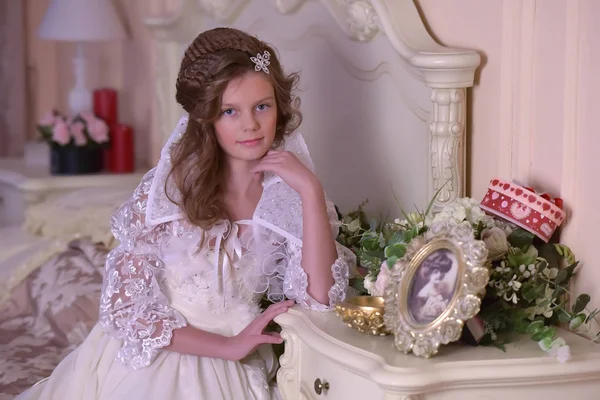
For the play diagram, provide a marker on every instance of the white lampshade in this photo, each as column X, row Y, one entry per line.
column 81, row 20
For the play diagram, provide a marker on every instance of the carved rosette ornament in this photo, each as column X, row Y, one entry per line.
column 362, row 19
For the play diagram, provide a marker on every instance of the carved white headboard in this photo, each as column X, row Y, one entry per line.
column 384, row 105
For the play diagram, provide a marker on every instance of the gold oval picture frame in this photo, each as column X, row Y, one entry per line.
column 435, row 288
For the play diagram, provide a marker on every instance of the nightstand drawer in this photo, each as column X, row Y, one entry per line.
column 342, row 383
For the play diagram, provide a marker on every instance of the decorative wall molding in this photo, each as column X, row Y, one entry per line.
column 517, row 89
column 570, row 134
column 517, row 114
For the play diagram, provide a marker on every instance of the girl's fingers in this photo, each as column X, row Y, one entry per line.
column 260, row 322
column 285, row 303
column 269, row 160
column 271, row 339
column 274, row 311
column 271, row 313
column 266, row 166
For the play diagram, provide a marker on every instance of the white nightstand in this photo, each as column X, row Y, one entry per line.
column 325, row 359
column 22, row 185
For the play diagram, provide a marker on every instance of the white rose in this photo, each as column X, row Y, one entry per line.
column 441, row 216
column 495, row 241
column 369, row 284
column 382, row 279
column 477, row 215
column 459, row 214
column 464, row 201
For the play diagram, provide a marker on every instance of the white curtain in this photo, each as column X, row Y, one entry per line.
column 13, row 87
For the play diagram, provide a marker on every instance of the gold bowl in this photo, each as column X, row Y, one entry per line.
column 363, row 313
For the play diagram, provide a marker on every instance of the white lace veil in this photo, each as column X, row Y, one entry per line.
column 276, row 224
column 160, row 209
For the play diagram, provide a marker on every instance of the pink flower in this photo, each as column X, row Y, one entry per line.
column 97, row 128
column 78, row 134
column 48, row 119
column 60, row 132
column 88, row 117
column 98, row 131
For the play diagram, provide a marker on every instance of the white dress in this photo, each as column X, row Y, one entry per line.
column 158, row 280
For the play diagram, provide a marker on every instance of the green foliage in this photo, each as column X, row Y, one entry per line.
column 528, row 291
column 520, row 238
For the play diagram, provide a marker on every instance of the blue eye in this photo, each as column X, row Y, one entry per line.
column 229, row 111
column 262, row 107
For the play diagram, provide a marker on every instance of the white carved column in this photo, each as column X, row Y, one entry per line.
column 447, row 138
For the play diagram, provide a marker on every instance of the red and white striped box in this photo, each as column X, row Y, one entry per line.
column 537, row 213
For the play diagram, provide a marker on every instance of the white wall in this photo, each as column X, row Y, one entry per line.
column 534, row 104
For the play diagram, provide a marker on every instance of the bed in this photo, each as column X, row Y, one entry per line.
column 384, row 110
column 51, row 271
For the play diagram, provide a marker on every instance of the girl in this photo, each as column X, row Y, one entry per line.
column 231, row 213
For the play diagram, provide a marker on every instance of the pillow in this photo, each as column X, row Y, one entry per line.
column 79, row 213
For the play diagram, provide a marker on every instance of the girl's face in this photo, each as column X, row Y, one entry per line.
column 246, row 127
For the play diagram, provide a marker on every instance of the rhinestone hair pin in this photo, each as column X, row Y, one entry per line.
column 262, row 61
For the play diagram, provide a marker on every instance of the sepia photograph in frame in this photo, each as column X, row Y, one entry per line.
column 435, row 288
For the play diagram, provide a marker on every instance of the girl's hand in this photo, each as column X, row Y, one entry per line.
column 245, row 342
column 290, row 169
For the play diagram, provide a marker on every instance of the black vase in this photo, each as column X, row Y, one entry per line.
column 73, row 160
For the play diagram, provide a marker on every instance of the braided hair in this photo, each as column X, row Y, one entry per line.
column 211, row 61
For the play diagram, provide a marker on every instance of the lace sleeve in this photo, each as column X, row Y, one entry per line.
column 132, row 306
column 296, row 281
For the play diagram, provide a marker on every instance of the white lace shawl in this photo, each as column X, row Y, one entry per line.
column 133, row 306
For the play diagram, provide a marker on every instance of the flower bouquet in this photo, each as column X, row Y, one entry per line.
column 76, row 143
column 528, row 289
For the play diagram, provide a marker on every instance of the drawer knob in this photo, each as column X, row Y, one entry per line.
column 320, row 386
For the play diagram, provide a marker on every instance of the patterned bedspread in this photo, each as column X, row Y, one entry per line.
column 49, row 314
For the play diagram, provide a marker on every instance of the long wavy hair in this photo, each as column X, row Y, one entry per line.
column 213, row 59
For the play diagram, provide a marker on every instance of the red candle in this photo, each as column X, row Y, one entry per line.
column 122, row 156
column 105, row 105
